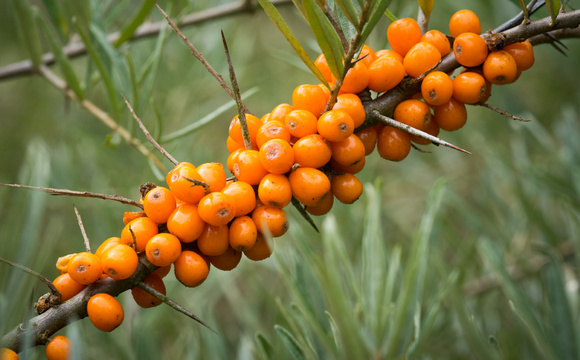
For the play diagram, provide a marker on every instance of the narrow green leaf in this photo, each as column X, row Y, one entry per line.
column 116, row 64
column 335, row 332
column 300, row 7
column 277, row 19
column 290, row 341
column 56, row 11
column 133, row 78
column 553, row 8
column 349, row 10
column 264, row 345
column 426, row 6
column 61, row 58
column 390, row 15
column 28, row 30
column 140, row 16
column 374, row 18
column 326, row 37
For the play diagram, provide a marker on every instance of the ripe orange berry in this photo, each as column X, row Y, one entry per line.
column 277, row 156
column 8, row 354
column 393, row 144
column 431, row 129
column 351, row 169
column 310, row 97
column 414, row 113
column 470, row 49
column 119, row 262
column 353, row 106
column 403, row 34
column 235, row 130
column 67, row 287
column 217, row 208
column 367, row 55
column 300, row 123
column 243, row 195
column 274, row 190
column 163, row 249
column 323, row 208
column 169, row 178
column 159, row 203
column 368, row 137
column 420, row 58
column 143, row 298
column 109, row 243
column 214, row 240
column 232, row 158
column 450, row 116
column 500, row 68
column 85, row 268
column 232, row 145
column 439, row 40
column 523, row 54
column 129, row 216
column 243, row 233
column 469, row 87
column 213, row 174
column 138, row 232
column 273, row 129
column 356, row 79
column 279, row 113
column 226, row 261
column 437, row 88
column 385, row 73
column 190, row 268
column 312, row 151
column 270, row 219
column 348, row 152
column 248, row 167
column 309, row 185
column 335, row 125
column 261, row 250
column 464, row 21
column 105, row 312
column 388, row 52
column 58, row 348
column 185, row 223
column 322, row 65
column 347, row 188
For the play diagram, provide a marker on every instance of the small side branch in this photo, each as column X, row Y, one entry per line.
column 56, row 299
column 303, row 212
column 501, row 112
column 85, row 237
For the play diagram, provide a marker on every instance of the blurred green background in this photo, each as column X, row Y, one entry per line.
column 391, row 276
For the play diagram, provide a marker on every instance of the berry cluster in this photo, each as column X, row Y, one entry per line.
column 305, row 152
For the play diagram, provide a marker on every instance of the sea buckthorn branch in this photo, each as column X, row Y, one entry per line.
column 501, row 112
column 83, row 232
column 54, row 297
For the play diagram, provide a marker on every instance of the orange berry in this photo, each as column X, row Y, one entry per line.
column 105, row 312
column 232, row 158
column 335, row 125
column 347, row 188
column 270, row 219
column 261, row 250
column 356, row 79
column 500, row 68
column 243, row 233
column 385, row 73
column 403, row 34
column 185, row 223
column 8, row 354
column 414, row 113
column 279, row 113
column 235, row 130
column 109, row 243
column 277, row 156
column 243, row 195
column 470, row 49
column 368, row 137
column 163, row 249
column 119, row 262
column 67, row 287
column 431, row 129
column 159, row 203
column 217, row 208
column 322, row 65
column 310, row 97
column 162, row 271
column 420, row 58
column 348, row 152
column 273, row 129
column 58, row 348
column 233, row 145
column 469, row 87
column 248, row 167
column 450, row 116
column 439, row 40
column 351, row 169
column 226, row 261
column 85, row 268
column 129, row 216
column 213, row 174
column 437, row 88
column 143, row 298
column 367, row 55
column 309, row 185
column 190, row 268
column 274, row 190
column 388, row 52
column 323, row 208
column 300, row 123
column 353, row 106
column 393, row 144
column 169, row 177
column 138, row 232
column 523, row 54
column 214, row 240
column 464, row 21
column 312, row 151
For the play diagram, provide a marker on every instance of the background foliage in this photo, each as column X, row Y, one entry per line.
column 390, row 276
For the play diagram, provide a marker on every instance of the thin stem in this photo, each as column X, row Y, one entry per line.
column 66, row 192
column 199, row 183
column 85, row 237
column 335, row 24
column 501, row 112
column 148, row 134
column 48, row 283
column 303, row 212
column 423, row 21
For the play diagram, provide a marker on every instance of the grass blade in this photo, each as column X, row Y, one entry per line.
column 290, row 341
column 140, row 16
column 28, row 30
